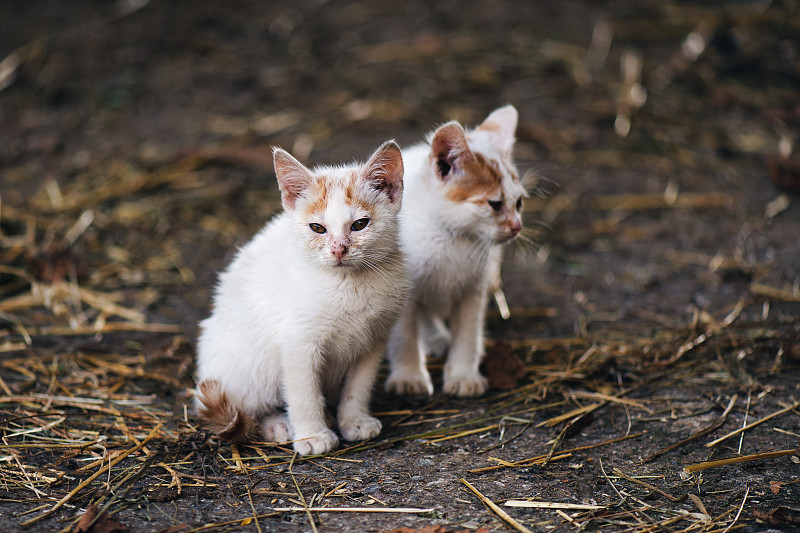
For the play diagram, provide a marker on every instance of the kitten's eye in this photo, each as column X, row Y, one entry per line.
column 519, row 203
column 359, row 224
column 317, row 228
column 496, row 205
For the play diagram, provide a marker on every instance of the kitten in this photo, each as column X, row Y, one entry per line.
column 302, row 314
column 462, row 202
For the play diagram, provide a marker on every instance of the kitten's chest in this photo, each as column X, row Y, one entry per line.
column 355, row 314
column 449, row 270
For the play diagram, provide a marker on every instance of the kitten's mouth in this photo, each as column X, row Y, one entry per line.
column 502, row 239
column 341, row 263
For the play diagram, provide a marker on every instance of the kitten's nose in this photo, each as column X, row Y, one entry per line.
column 515, row 226
column 338, row 250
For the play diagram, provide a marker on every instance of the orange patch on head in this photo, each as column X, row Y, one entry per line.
column 480, row 178
column 351, row 196
column 318, row 194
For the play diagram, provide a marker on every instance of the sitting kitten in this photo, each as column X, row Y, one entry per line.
column 462, row 201
column 302, row 314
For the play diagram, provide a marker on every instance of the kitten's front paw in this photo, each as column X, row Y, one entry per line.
column 316, row 444
column 276, row 428
column 360, row 428
column 466, row 386
column 409, row 384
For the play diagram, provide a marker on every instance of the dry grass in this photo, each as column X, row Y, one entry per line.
column 84, row 421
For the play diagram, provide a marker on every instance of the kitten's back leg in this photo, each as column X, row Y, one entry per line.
column 276, row 428
column 435, row 336
column 408, row 374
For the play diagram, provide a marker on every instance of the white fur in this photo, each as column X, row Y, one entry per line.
column 295, row 327
column 454, row 250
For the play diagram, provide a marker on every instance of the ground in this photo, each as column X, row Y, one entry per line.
column 655, row 296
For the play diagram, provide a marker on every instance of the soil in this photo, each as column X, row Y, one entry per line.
column 659, row 276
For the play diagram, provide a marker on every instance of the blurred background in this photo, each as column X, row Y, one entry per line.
column 662, row 249
column 154, row 121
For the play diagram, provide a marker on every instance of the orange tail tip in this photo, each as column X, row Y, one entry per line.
column 222, row 417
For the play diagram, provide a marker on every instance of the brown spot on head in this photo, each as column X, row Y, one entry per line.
column 317, row 195
column 479, row 178
column 355, row 197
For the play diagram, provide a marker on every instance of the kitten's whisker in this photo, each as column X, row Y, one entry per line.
column 537, row 224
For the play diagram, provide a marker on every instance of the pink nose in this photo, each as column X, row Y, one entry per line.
column 338, row 250
column 515, row 227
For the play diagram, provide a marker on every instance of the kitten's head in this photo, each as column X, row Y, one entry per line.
column 346, row 216
column 477, row 178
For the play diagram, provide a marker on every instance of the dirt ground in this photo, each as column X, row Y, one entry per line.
column 655, row 297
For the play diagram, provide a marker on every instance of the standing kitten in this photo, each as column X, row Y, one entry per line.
column 462, row 201
column 302, row 314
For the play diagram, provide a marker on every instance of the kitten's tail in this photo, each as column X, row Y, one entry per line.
column 221, row 416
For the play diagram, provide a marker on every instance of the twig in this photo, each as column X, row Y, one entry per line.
column 300, row 493
column 735, row 460
column 603, row 471
column 464, row 433
column 754, row 424
column 91, row 478
column 736, row 518
column 744, row 424
column 554, row 505
column 612, row 399
column 408, row 510
column 116, row 494
column 558, row 439
column 648, row 486
column 774, row 293
column 571, row 414
column 702, row 433
column 504, row 442
column 563, row 452
column 494, row 507
column 108, row 327
column 253, row 507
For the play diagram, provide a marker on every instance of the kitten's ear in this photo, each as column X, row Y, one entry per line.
column 293, row 177
column 384, row 170
column 449, row 144
column 501, row 124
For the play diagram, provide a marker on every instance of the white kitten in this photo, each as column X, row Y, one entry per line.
column 462, row 201
column 302, row 314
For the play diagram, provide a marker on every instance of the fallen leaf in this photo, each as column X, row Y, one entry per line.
column 503, row 367
column 777, row 517
column 775, row 486
column 785, row 173
column 436, row 529
column 426, row 529
column 103, row 524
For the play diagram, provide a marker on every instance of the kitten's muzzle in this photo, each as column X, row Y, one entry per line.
column 338, row 251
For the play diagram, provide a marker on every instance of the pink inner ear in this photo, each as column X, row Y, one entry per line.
column 293, row 177
column 449, row 144
column 492, row 127
column 501, row 124
column 385, row 170
column 450, row 140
